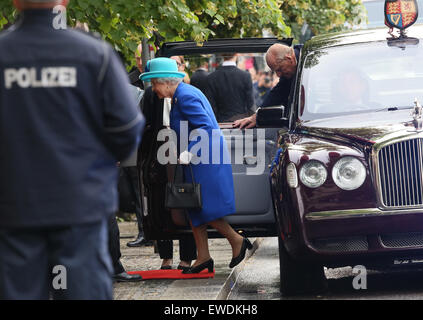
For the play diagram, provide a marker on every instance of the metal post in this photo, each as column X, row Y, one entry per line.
column 145, row 56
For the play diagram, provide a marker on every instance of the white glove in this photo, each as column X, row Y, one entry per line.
column 185, row 157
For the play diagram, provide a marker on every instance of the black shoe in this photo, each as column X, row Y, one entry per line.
column 126, row 277
column 166, row 268
column 246, row 244
column 138, row 242
column 209, row 264
column 184, row 269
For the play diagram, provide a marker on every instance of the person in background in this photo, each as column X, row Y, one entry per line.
column 119, row 274
column 262, row 87
column 129, row 169
column 180, row 61
column 230, row 91
column 199, row 77
column 254, row 75
column 350, row 88
column 59, row 178
column 134, row 74
column 129, row 166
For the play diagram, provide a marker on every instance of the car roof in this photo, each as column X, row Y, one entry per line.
column 248, row 45
column 242, row 45
column 360, row 36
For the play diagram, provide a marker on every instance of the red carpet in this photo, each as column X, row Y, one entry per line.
column 172, row 274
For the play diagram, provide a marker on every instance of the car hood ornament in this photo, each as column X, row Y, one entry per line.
column 400, row 14
column 416, row 113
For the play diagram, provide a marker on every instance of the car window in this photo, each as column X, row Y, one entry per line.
column 360, row 78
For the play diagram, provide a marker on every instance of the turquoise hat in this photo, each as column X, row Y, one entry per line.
column 161, row 68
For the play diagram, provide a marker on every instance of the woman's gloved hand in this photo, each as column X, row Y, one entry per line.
column 185, row 157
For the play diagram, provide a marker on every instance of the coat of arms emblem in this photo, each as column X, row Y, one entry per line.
column 400, row 13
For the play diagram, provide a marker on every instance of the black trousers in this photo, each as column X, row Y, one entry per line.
column 187, row 249
column 132, row 177
column 70, row 262
column 114, row 245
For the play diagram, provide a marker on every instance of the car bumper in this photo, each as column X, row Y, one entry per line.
column 361, row 236
column 359, row 213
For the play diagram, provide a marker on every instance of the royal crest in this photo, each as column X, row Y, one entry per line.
column 400, row 13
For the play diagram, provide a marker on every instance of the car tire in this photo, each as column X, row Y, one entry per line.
column 299, row 277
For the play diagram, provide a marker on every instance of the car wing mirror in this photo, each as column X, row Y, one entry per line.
column 271, row 117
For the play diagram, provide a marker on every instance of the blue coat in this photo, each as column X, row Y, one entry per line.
column 215, row 177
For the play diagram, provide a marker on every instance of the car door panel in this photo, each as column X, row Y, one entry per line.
column 251, row 154
column 250, row 163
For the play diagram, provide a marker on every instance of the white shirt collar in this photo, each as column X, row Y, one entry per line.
column 228, row 63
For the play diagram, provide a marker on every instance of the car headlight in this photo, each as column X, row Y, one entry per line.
column 291, row 175
column 349, row 173
column 313, row 174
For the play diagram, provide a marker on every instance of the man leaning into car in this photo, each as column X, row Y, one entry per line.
column 282, row 60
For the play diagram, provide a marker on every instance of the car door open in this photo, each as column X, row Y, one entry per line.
column 251, row 154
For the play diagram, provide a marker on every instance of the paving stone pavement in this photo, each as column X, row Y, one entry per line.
column 144, row 258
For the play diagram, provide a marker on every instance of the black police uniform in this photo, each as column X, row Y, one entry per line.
column 67, row 115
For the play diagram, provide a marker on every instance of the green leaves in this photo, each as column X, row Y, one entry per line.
column 124, row 23
column 7, row 14
column 323, row 15
column 3, row 21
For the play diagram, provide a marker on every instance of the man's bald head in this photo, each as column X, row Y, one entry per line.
column 281, row 59
column 278, row 51
column 38, row 4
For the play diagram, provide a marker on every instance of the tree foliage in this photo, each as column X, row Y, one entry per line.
column 125, row 22
column 322, row 16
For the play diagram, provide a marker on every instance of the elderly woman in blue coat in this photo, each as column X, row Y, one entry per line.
column 191, row 111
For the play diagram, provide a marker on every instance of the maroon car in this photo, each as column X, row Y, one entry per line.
column 340, row 170
column 348, row 180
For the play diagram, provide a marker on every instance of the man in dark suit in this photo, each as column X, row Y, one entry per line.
column 230, row 91
column 199, row 77
column 283, row 61
column 129, row 167
column 134, row 74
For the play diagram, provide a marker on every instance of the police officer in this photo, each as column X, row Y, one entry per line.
column 67, row 115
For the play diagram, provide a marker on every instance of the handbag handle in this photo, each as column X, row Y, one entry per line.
column 176, row 170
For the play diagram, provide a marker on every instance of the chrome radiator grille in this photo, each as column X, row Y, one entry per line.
column 400, row 170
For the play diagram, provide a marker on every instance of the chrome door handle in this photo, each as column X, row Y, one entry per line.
column 250, row 160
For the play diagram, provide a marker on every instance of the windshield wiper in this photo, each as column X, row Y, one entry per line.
column 395, row 108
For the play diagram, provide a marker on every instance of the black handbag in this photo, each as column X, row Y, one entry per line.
column 180, row 195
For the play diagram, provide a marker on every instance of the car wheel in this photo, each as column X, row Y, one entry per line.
column 299, row 277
